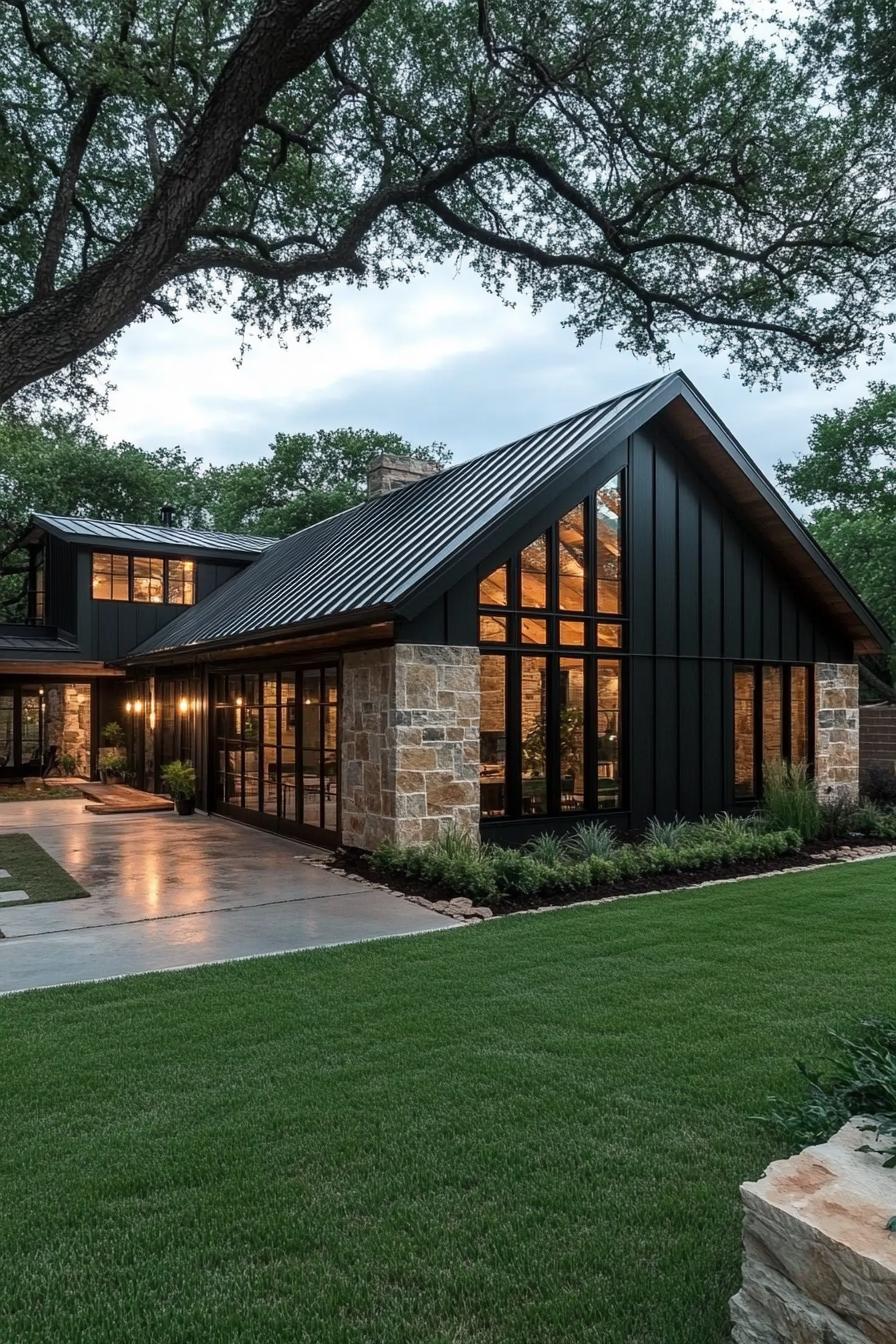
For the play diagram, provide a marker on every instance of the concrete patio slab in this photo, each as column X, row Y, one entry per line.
column 171, row 891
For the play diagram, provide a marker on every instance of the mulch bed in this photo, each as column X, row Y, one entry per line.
column 820, row 852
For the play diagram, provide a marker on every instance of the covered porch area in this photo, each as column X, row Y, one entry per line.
column 49, row 724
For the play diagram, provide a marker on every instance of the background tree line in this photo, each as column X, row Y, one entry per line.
column 63, row 466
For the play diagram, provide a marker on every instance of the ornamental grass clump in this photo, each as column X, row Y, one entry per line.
column 875, row 821
column 593, row 840
column 789, row 800
column 668, row 834
column 548, row 849
column 861, row 1080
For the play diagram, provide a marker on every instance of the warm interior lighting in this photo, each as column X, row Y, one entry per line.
column 128, row 706
column 183, row 704
column 138, row 706
column 239, row 702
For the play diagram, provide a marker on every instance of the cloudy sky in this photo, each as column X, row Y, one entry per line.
column 438, row 359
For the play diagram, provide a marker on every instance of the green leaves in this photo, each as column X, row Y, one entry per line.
column 847, row 476
column 65, row 467
column 650, row 166
column 304, row 478
column 860, row 1081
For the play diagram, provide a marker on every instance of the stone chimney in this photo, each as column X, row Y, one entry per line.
column 390, row 472
column 166, row 515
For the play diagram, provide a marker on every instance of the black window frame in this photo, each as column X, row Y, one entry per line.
column 166, row 590
column 757, row 670
column 591, row 652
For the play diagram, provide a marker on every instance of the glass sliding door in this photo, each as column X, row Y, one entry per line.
column 7, row 730
column 277, row 749
column 22, row 730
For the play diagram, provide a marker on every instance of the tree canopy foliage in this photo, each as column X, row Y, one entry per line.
column 648, row 164
column 303, row 478
column 847, row 479
column 64, row 467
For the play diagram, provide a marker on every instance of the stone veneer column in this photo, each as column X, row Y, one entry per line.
column 410, row 743
column 837, row 730
column 67, row 722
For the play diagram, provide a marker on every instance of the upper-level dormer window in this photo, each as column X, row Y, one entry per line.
column 143, row 578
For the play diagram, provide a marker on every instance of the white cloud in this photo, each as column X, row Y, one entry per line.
column 438, row 358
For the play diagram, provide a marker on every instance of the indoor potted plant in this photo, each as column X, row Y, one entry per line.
column 179, row 778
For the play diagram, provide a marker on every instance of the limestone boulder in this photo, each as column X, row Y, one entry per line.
column 819, row 1261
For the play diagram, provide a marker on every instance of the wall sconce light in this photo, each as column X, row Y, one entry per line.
column 128, row 707
column 183, row 704
column 239, row 702
column 138, row 706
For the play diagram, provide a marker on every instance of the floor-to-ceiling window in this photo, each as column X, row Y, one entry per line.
column 276, row 748
column 551, row 629
column 772, row 721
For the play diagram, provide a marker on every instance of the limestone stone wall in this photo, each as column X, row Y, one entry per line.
column 837, row 729
column 410, row 743
column 819, row 1265
column 67, row 722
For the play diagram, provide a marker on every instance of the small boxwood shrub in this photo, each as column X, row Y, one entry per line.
column 490, row 873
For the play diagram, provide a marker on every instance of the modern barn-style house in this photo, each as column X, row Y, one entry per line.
column 616, row 617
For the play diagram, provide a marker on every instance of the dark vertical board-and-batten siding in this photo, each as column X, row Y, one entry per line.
column 702, row 597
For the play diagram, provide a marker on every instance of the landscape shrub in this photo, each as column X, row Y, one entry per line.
column 488, row 873
column 548, row 849
column 879, row 784
column 593, row 840
column 789, row 800
column 875, row 821
column 861, row 1081
column 726, row 826
column 837, row 818
column 670, row 834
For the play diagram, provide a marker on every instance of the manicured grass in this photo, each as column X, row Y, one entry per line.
column 531, row 1130
column 31, row 869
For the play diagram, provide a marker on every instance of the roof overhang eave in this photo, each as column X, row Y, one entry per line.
column 320, row 625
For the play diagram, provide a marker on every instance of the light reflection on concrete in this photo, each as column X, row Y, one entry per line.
column 170, row 891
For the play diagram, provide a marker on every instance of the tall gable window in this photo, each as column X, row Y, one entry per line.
column 551, row 628
column 143, row 578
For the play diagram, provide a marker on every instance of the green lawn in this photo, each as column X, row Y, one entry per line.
column 532, row 1130
column 38, row 793
column 31, row 869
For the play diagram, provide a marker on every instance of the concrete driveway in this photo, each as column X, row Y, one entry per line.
column 171, row 891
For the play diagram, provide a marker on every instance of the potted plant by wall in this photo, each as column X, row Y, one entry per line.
column 179, row 778
column 113, row 767
column 113, row 734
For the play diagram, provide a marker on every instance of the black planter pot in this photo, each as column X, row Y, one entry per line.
column 185, row 807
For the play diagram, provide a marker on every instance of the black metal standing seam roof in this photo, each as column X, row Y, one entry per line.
column 368, row 558
column 143, row 534
column 30, row 642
